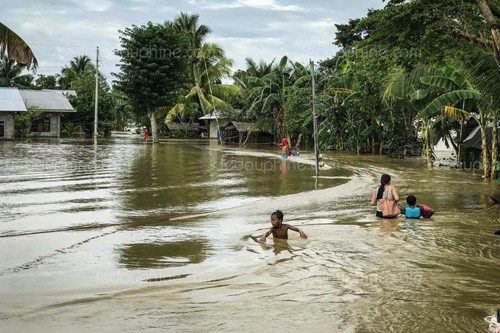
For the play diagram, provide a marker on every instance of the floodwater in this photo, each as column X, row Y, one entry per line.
column 127, row 236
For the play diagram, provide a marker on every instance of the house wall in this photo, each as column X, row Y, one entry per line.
column 213, row 129
column 9, row 130
column 55, row 127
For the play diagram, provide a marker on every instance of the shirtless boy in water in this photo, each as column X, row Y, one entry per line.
column 279, row 229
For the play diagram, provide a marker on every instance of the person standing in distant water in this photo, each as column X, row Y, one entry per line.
column 146, row 134
column 385, row 190
column 284, row 146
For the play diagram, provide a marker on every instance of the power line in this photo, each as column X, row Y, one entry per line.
column 62, row 45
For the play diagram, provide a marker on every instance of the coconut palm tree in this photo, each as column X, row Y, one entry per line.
column 196, row 33
column 210, row 93
column 14, row 47
column 208, row 65
column 77, row 67
column 10, row 74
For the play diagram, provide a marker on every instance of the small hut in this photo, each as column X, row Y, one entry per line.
column 216, row 122
column 242, row 132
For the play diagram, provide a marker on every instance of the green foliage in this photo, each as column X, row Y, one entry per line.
column 497, row 169
column 84, row 103
column 46, row 82
column 68, row 128
column 11, row 74
column 153, row 64
column 298, row 119
column 24, row 120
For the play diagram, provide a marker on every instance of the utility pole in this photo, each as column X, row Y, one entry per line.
column 96, row 90
column 315, row 122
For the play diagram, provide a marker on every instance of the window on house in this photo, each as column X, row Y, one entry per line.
column 41, row 125
column 2, row 128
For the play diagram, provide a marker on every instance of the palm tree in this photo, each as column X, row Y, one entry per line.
column 77, row 67
column 196, row 33
column 10, row 74
column 14, row 47
column 209, row 92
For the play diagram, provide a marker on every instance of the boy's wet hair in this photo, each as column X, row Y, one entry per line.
column 278, row 214
column 411, row 200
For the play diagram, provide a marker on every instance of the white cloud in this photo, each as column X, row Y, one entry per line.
column 94, row 5
column 261, row 4
column 59, row 30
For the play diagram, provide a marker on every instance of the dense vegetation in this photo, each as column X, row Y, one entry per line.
column 412, row 73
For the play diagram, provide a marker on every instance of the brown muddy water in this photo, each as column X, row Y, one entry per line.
column 123, row 236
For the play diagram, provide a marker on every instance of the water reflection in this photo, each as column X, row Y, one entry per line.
column 368, row 275
column 388, row 226
column 283, row 171
column 161, row 255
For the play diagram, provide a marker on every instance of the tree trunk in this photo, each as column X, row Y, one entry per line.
column 484, row 143
column 427, row 143
column 494, row 145
column 492, row 23
column 298, row 141
column 198, row 90
column 484, row 148
column 154, row 126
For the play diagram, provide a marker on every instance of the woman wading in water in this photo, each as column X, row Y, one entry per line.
column 385, row 190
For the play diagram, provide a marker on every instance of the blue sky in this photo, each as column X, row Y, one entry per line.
column 58, row 30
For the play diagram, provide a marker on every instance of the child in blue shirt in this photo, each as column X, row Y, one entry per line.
column 412, row 211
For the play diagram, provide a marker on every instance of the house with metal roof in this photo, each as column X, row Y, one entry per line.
column 11, row 102
column 53, row 103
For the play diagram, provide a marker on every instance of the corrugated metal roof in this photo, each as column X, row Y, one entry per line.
column 189, row 127
column 48, row 100
column 250, row 127
column 11, row 100
column 243, row 127
column 65, row 93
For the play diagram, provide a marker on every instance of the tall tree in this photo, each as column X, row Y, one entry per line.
column 188, row 24
column 153, row 68
column 84, row 102
column 210, row 93
column 78, row 67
